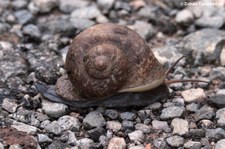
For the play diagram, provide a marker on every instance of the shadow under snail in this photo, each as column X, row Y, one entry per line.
column 109, row 65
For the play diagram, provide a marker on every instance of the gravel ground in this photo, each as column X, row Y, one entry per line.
column 35, row 36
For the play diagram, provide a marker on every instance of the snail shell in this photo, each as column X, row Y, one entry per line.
column 107, row 58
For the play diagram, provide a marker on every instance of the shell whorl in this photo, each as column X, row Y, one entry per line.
column 107, row 58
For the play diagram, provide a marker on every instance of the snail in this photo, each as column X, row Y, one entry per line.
column 109, row 65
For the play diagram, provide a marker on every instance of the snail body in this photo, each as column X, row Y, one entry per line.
column 107, row 59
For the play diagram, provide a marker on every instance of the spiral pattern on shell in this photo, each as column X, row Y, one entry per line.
column 106, row 58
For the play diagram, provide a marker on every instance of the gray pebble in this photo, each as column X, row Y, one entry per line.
column 193, row 95
column 192, row 145
column 144, row 114
column 115, row 126
column 211, row 22
column 67, row 6
column 180, row 126
column 154, row 106
column 105, row 4
column 95, row 133
column 222, row 57
column 4, row 27
column 112, row 114
column 15, row 146
column 69, row 123
column 192, row 107
column 41, row 116
column 94, row 119
column 137, row 147
column 103, row 140
column 54, row 128
column 205, row 112
column 117, row 143
column 160, row 143
column 81, row 24
column 89, row 12
column 220, row 144
column 127, row 116
column 220, row 92
column 23, row 16
column 45, row 5
column 137, row 136
column 1, row 145
column 202, row 53
column 42, row 138
column 19, row 4
column 143, row 127
column 54, row 110
column 35, row 122
column 218, row 100
column 45, row 123
column 175, row 141
column 122, row 5
column 144, row 29
column 199, row 133
column 220, row 115
column 31, row 30
column 71, row 138
column 171, row 112
column 9, row 105
column 127, row 125
column 54, row 26
column 218, row 73
column 217, row 133
column 164, row 54
column 160, row 125
column 184, row 16
column 85, row 143
column 24, row 127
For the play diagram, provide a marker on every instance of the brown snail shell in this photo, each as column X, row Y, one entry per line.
column 107, row 59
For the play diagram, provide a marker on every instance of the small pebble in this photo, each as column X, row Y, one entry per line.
column 220, row 115
column 112, row 114
column 180, row 126
column 137, row 136
column 71, row 138
column 42, row 138
column 9, row 105
column 175, row 141
column 192, row 145
column 45, row 6
column 94, row 119
column 193, row 95
column 24, row 127
column 54, row 128
column 117, row 143
column 127, row 116
column 127, row 125
column 184, row 16
column 89, row 12
column 217, row 133
column 205, row 112
column 143, row 127
column 54, row 110
column 220, row 144
column 69, row 123
column 171, row 112
column 115, row 126
column 85, row 143
column 95, row 133
column 192, row 107
column 160, row 125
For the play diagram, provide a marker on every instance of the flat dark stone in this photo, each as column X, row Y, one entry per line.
column 118, row 100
